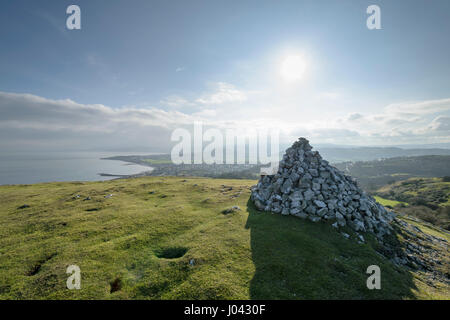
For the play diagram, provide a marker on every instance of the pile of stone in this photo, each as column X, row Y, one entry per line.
column 306, row 186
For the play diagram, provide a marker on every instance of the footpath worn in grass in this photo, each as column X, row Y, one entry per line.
column 172, row 238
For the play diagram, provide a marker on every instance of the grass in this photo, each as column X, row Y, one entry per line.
column 167, row 238
column 432, row 192
column 389, row 203
column 157, row 161
column 425, row 198
column 429, row 228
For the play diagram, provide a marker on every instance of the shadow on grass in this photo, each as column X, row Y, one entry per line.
column 299, row 259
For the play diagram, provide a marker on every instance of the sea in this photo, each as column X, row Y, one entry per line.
column 28, row 168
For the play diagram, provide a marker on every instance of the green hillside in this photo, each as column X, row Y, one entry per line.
column 425, row 198
column 372, row 175
column 175, row 238
column 432, row 192
column 389, row 203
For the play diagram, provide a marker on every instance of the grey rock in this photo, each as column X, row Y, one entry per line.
column 357, row 225
column 259, row 205
column 340, row 219
column 322, row 212
column 231, row 210
column 294, row 177
column 331, row 214
column 302, row 215
column 331, row 204
column 315, row 186
column 308, row 195
column 320, row 204
column 295, row 204
column 287, row 186
column 311, row 209
column 276, row 209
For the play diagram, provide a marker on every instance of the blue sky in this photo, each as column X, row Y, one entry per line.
column 172, row 62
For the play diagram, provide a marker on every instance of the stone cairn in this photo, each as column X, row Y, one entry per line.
column 306, row 186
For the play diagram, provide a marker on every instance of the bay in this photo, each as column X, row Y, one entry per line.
column 27, row 168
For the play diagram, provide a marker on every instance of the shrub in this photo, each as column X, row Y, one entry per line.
column 439, row 217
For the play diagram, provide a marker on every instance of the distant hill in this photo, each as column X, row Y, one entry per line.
column 341, row 154
column 372, row 175
column 331, row 153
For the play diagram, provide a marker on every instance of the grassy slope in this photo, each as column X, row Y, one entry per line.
column 425, row 198
column 431, row 190
column 388, row 202
column 246, row 254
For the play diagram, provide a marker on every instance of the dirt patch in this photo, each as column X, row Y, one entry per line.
column 171, row 252
column 116, row 285
column 37, row 266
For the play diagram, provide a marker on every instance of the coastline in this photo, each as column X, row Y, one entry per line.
column 31, row 168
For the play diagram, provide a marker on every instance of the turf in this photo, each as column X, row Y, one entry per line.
column 388, row 202
column 433, row 192
column 168, row 238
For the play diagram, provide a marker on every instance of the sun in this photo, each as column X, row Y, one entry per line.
column 293, row 68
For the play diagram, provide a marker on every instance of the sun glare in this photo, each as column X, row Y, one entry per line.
column 293, row 68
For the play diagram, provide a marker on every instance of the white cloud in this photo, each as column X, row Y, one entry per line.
column 176, row 102
column 221, row 94
column 32, row 121
column 40, row 121
column 420, row 121
column 441, row 123
column 206, row 113
column 419, row 108
column 355, row 117
column 224, row 93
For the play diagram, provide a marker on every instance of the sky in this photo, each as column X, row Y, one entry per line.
column 137, row 70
